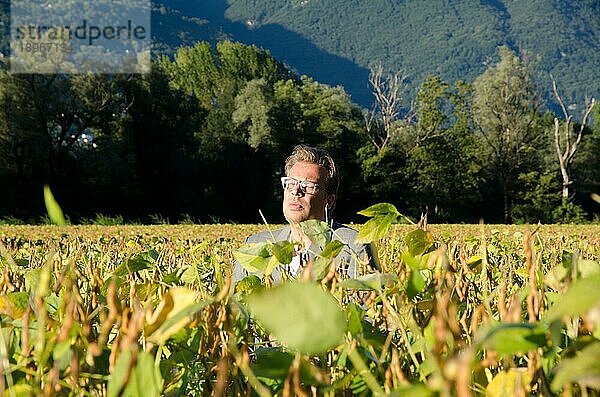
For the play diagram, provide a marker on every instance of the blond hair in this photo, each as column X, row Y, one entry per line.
column 309, row 154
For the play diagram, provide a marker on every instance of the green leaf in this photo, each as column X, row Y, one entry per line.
column 354, row 315
column 587, row 268
column 375, row 228
column 118, row 377
column 248, row 284
column 411, row 261
column 416, row 284
column 145, row 379
column 512, row 338
column 293, row 311
column 14, row 304
column 253, row 257
column 134, row 264
column 379, row 209
column 317, row 231
column 62, row 354
column 19, row 390
column 583, row 369
column 414, row 390
column 54, row 212
column 332, row 249
column 190, row 275
column 283, row 251
column 369, row 282
column 273, row 363
column 418, row 242
column 322, row 262
column 582, row 296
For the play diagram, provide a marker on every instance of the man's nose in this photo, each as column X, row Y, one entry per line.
column 295, row 190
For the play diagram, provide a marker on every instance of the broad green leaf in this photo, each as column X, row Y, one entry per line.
column 509, row 383
column 14, row 304
column 293, row 311
column 135, row 264
column 53, row 302
column 62, row 354
column 369, row 282
column 375, row 228
column 191, row 275
column 145, row 379
column 332, row 249
column 253, row 257
column 418, row 242
column 283, row 251
column 248, row 284
column 54, row 212
column 354, row 315
column 414, row 390
column 416, row 284
column 379, row 209
column 320, row 268
column 582, row 296
column 411, row 261
column 512, row 338
column 273, row 363
column 322, row 262
column 118, row 377
column 19, row 390
column 583, row 369
column 317, row 231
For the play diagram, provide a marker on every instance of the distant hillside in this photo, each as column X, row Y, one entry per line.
column 335, row 41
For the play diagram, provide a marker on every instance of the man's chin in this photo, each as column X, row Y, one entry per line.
column 295, row 217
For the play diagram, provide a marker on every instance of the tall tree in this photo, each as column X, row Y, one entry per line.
column 442, row 168
column 505, row 111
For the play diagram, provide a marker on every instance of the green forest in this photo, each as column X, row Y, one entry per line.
column 202, row 138
column 337, row 41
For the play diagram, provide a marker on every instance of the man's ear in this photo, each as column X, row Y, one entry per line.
column 330, row 201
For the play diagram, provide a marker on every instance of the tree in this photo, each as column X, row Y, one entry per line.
column 252, row 108
column 567, row 140
column 381, row 122
column 49, row 122
column 505, row 111
column 441, row 172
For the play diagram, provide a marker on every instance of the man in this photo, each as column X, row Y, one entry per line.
column 310, row 189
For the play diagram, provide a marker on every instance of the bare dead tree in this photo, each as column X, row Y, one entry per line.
column 380, row 120
column 566, row 141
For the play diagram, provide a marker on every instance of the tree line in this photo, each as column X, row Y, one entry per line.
column 203, row 138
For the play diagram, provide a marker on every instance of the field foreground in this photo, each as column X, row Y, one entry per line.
column 457, row 310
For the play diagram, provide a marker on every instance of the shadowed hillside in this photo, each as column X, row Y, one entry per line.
column 335, row 41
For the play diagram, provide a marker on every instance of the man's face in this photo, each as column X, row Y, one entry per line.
column 299, row 206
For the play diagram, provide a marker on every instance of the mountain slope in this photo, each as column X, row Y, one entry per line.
column 336, row 41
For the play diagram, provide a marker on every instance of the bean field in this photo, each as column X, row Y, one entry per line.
column 457, row 310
